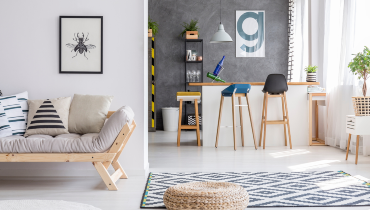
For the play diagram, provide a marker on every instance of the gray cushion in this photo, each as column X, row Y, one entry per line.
column 88, row 113
column 70, row 143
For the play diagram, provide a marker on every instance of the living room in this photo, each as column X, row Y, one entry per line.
column 184, row 104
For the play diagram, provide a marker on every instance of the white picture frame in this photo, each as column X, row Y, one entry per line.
column 250, row 33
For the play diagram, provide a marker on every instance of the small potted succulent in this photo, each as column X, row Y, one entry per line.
column 152, row 28
column 190, row 29
column 311, row 73
column 360, row 66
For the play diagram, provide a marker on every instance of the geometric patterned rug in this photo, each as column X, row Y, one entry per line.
column 295, row 189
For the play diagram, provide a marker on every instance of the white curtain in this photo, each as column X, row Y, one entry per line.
column 341, row 84
column 346, row 32
column 300, row 54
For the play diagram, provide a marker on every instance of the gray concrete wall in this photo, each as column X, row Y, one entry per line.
column 169, row 14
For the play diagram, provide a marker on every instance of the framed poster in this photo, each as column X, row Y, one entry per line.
column 250, row 33
column 81, row 44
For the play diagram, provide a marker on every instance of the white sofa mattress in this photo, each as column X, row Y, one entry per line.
column 70, row 143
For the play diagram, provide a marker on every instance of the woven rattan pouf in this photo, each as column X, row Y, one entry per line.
column 206, row 195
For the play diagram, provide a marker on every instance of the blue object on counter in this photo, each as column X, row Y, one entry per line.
column 219, row 67
column 240, row 88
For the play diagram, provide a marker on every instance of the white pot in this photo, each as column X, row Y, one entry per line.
column 311, row 77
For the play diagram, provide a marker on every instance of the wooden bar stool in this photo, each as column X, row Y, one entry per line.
column 236, row 91
column 188, row 96
column 275, row 86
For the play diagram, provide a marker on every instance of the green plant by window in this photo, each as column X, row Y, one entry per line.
column 360, row 66
column 153, row 25
column 311, row 69
column 192, row 26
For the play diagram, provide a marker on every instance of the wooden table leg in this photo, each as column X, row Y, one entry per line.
column 310, row 119
column 265, row 122
column 357, row 144
column 284, row 118
column 179, row 128
column 348, row 144
column 234, row 123
column 262, row 118
column 317, row 121
column 197, row 121
column 241, row 120
column 287, row 118
column 251, row 119
column 219, row 120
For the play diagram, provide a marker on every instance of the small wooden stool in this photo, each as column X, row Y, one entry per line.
column 275, row 86
column 188, row 96
column 237, row 90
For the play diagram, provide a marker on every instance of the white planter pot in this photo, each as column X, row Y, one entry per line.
column 311, row 77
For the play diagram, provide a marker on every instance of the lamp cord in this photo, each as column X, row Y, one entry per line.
column 220, row 11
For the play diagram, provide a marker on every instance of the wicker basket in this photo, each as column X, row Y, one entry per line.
column 361, row 105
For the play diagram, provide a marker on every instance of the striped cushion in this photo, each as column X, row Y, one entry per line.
column 48, row 117
column 13, row 111
column 5, row 129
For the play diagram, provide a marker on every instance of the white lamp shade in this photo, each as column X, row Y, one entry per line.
column 221, row 36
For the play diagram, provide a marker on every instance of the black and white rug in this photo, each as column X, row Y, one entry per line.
column 295, row 189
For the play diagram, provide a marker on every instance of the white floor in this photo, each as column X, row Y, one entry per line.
column 164, row 156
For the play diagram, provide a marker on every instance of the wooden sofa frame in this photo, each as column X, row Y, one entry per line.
column 101, row 161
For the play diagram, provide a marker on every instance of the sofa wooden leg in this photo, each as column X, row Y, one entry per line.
column 118, row 166
column 109, row 182
column 106, row 164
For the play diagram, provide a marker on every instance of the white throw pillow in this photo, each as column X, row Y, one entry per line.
column 5, row 129
column 22, row 100
column 13, row 111
column 88, row 113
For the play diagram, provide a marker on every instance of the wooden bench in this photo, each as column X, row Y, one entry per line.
column 101, row 161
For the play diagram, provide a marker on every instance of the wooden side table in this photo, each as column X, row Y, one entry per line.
column 314, row 97
column 356, row 125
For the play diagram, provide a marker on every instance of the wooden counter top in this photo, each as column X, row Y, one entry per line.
column 251, row 83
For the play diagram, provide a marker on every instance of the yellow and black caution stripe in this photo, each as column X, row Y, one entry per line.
column 153, row 83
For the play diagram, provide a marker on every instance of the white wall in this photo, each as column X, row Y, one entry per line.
column 29, row 60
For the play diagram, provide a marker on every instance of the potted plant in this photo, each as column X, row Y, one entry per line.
column 311, row 73
column 359, row 66
column 152, row 28
column 190, row 29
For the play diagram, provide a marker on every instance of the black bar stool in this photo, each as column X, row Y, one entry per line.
column 275, row 86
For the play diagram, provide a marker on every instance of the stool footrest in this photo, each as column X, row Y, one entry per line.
column 276, row 122
column 241, row 105
column 275, row 96
column 229, row 126
column 189, row 127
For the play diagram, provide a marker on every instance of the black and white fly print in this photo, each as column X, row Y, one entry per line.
column 80, row 46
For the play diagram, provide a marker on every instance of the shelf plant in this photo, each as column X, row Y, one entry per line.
column 190, row 29
column 311, row 73
column 360, row 66
column 311, row 69
column 152, row 27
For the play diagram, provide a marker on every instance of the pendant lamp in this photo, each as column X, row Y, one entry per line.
column 221, row 36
